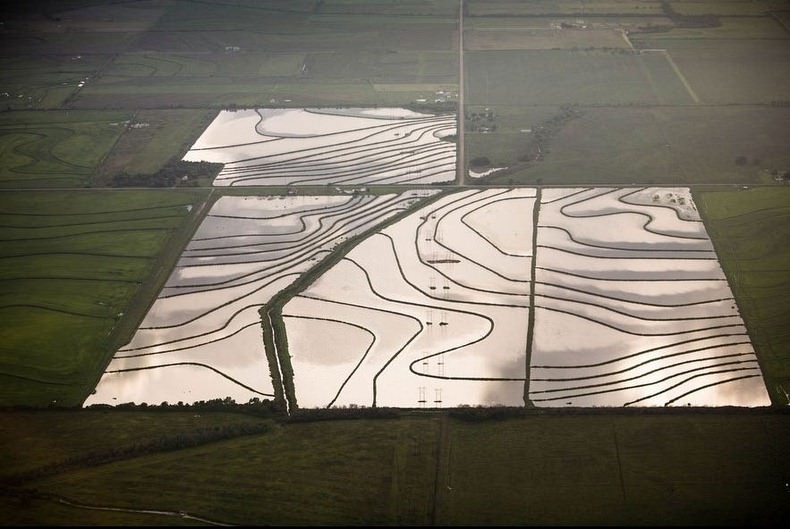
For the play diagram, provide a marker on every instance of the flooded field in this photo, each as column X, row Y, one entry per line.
column 572, row 296
column 630, row 308
column 329, row 146
column 201, row 338
column 551, row 297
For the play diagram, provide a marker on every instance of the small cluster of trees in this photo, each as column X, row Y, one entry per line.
column 176, row 173
column 254, row 405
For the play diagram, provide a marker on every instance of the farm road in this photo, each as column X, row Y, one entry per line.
column 460, row 136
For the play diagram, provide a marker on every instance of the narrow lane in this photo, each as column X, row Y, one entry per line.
column 461, row 171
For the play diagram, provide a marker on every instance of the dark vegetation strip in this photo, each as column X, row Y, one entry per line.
column 533, row 284
column 166, row 443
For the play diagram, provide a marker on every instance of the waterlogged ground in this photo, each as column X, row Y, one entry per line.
column 583, row 297
column 328, row 146
column 202, row 337
column 630, row 305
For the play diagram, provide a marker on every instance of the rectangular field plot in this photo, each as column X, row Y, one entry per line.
column 202, row 338
column 329, row 146
column 555, row 296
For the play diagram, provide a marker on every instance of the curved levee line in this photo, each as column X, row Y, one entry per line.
column 646, row 374
column 645, row 226
column 234, row 300
column 196, row 364
column 186, row 348
column 641, row 248
column 437, row 298
column 326, row 226
column 421, row 259
column 460, row 311
column 364, row 355
column 623, row 199
column 633, row 301
column 486, row 239
column 708, row 386
column 611, row 326
column 644, row 351
column 698, row 388
column 635, row 386
column 627, row 314
column 645, row 362
column 324, row 234
column 635, row 279
column 343, row 147
column 455, row 252
column 634, row 257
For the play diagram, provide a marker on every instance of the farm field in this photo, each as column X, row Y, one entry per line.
column 329, row 146
column 681, row 88
column 548, row 288
column 73, row 263
column 202, row 337
column 427, row 469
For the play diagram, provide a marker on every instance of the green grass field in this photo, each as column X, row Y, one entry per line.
column 55, row 149
column 77, row 269
column 80, row 264
column 750, row 231
column 560, row 468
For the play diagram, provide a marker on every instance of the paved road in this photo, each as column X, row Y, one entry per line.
column 461, row 171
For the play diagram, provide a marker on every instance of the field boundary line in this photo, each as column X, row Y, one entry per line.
column 681, row 77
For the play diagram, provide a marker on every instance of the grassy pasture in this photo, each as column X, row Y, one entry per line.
column 76, row 269
column 561, row 7
column 717, row 7
column 55, row 149
column 146, row 149
column 386, row 7
column 750, row 231
column 674, row 145
column 43, row 82
column 556, row 77
column 540, row 38
column 563, row 467
column 736, row 72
